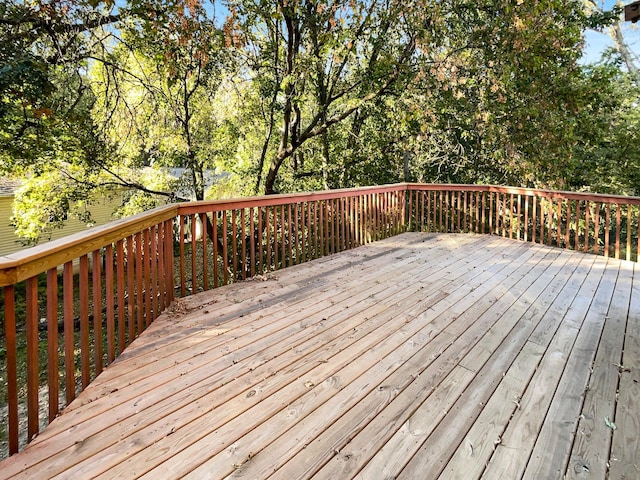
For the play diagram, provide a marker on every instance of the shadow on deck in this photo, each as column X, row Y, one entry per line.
column 420, row 356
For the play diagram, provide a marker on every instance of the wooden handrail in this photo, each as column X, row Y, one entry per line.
column 21, row 265
column 109, row 283
column 555, row 194
column 598, row 223
column 26, row 263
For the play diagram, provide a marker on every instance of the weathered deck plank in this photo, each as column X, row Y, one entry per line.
column 591, row 447
column 421, row 356
column 625, row 459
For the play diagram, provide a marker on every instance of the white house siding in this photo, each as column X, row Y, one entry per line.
column 7, row 237
column 101, row 213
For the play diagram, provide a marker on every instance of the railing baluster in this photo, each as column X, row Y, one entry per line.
column 550, row 221
column 618, row 226
column 296, row 233
column 607, row 229
column 120, row 294
column 161, row 271
column 267, row 229
column 421, row 199
column 315, row 230
column 96, row 284
column 511, row 223
column 448, row 214
column 500, row 222
column 491, row 214
column 252, row 240
column 377, row 211
column 85, row 353
column 367, row 218
column 69, row 368
column 290, row 239
column 392, row 215
column 440, row 211
column 503, row 213
column 628, row 249
column 52, row 341
column 596, row 229
column 567, row 232
column 310, row 233
column 243, row 244
column 205, row 258
column 153, row 265
column 638, row 235
column 282, row 237
column 335, row 225
column 225, row 249
column 261, row 270
column 346, row 224
column 518, row 213
column 542, row 214
column 131, row 291
column 148, row 283
column 183, row 285
column 216, row 253
column 12, row 367
column 139, row 283
column 305, row 232
column 559, row 224
column 483, row 225
column 234, row 245
column 534, row 218
column 474, row 223
column 587, row 212
column 169, row 261
column 576, row 237
column 526, row 217
column 110, row 301
column 33, row 424
column 194, row 259
column 276, row 245
column 384, row 216
column 326, row 205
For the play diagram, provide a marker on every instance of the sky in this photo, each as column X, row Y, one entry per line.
column 596, row 42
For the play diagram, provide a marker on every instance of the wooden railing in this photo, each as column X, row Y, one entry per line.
column 600, row 224
column 97, row 291
column 70, row 307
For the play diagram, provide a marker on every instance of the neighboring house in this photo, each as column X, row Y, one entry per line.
column 101, row 212
column 183, row 176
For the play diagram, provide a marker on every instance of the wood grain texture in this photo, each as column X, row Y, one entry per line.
column 625, row 456
column 419, row 356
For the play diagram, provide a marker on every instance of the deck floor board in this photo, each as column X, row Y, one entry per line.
column 420, row 356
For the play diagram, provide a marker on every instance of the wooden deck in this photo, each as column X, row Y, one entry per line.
column 422, row 356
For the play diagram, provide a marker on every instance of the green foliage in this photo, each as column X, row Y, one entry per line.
column 607, row 156
column 44, row 202
column 291, row 95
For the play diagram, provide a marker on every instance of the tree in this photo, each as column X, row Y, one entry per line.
column 155, row 68
column 322, row 61
column 612, row 23
column 607, row 159
column 158, row 91
column 43, row 51
column 508, row 95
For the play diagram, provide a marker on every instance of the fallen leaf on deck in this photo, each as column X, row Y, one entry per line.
column 609, row 423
